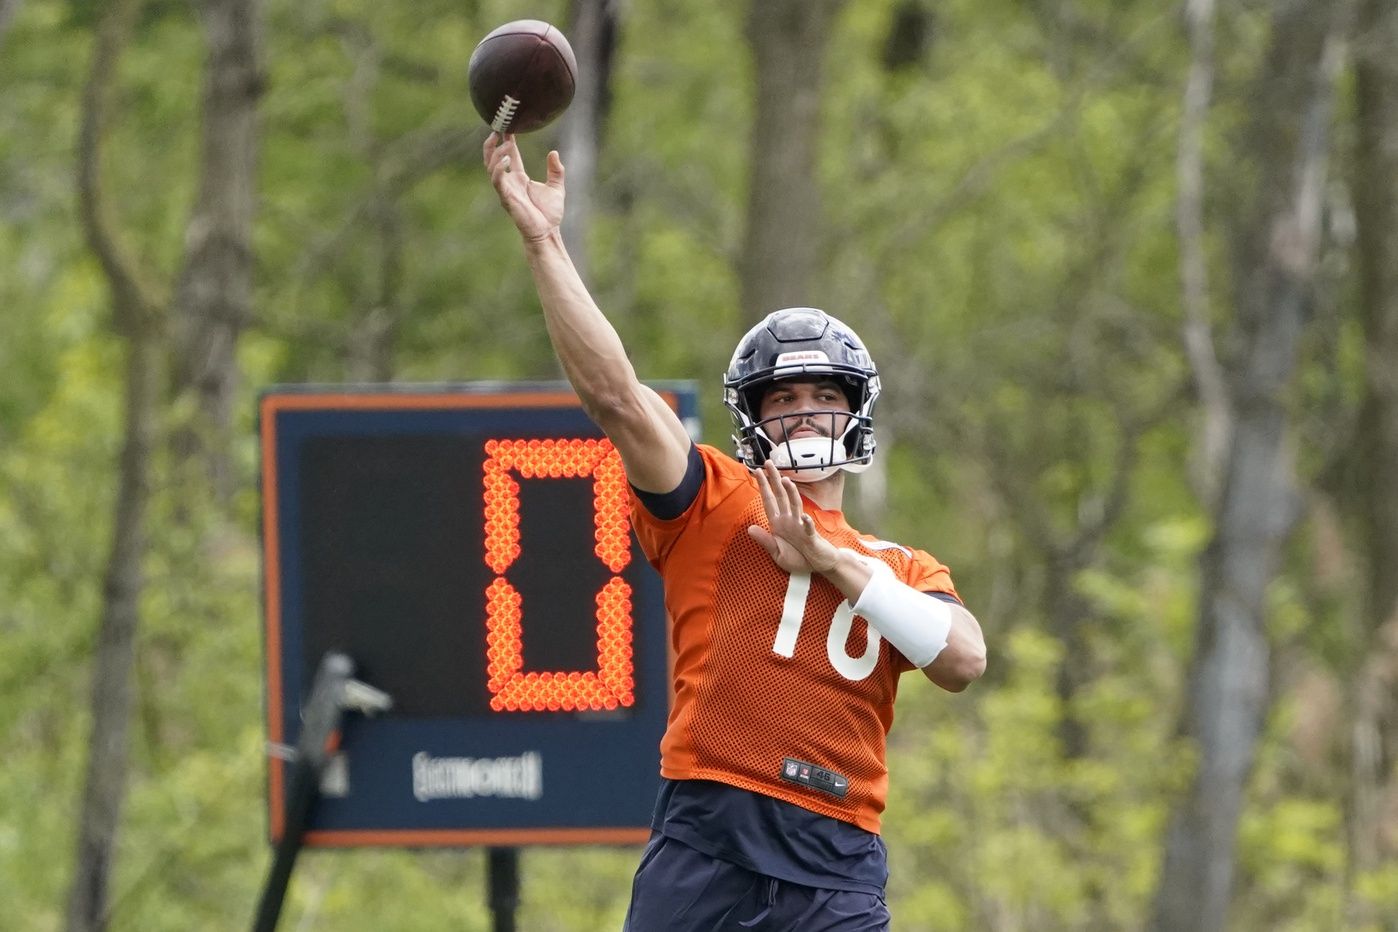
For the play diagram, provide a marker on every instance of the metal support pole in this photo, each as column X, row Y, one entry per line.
column 503, row 881
column 332, row 692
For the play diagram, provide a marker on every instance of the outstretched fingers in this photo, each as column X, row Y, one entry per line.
column 769, row 497
column 781, row 501
column 502, row 156
column 794, row 506
column 493, row 142
column 777, row 509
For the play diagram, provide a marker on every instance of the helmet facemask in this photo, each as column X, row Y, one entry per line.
column 846, row 440
column 811, row 458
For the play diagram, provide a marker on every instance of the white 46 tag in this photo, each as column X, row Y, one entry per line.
column 798, row 589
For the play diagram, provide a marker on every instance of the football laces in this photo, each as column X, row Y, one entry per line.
column 505, row 114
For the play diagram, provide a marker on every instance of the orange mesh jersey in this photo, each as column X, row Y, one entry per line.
column 770, row 666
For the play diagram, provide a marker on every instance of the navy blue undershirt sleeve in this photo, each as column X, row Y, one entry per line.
column 672, row 504
column 945, row 597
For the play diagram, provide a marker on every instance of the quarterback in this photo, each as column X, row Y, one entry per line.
column 791, row 629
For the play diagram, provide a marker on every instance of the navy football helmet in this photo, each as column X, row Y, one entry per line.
column 791, row 343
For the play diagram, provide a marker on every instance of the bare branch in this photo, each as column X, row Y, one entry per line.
column 213, row 294
column 136, row 303
column 137, row 313
column 423, row 154
column 593, row 25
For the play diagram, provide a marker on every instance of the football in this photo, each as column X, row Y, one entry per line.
column 522, row 76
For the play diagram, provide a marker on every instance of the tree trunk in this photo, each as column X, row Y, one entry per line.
column 1208, row 375
column 1375, row 498
column 135, row 313
column 781, row 254
column 371, row 338
column 1257, row 507
column 594, row 25
column 213, row 296
column 1376, row 216
column 105, row 781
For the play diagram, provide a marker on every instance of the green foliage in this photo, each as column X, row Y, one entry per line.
column 992, row 825
column 55, row 498
column 999, row 227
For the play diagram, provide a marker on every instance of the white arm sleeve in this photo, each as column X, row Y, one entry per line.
column 914, row 622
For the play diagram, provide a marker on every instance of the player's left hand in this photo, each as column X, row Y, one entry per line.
column 793, row 541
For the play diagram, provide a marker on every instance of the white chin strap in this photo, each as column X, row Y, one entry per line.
column 806, row 459
column 810, row 459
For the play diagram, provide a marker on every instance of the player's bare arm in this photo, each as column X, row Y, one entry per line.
column 962, row 661
column 653, row 444
column 904, row 616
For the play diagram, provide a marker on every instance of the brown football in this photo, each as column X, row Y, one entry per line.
column 522, row 76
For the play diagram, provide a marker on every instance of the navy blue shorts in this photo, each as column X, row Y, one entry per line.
column 678, row 889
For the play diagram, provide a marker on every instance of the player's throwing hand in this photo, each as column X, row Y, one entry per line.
column 535, row 207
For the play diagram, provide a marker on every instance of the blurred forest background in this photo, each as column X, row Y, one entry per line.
column 1130, row 270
